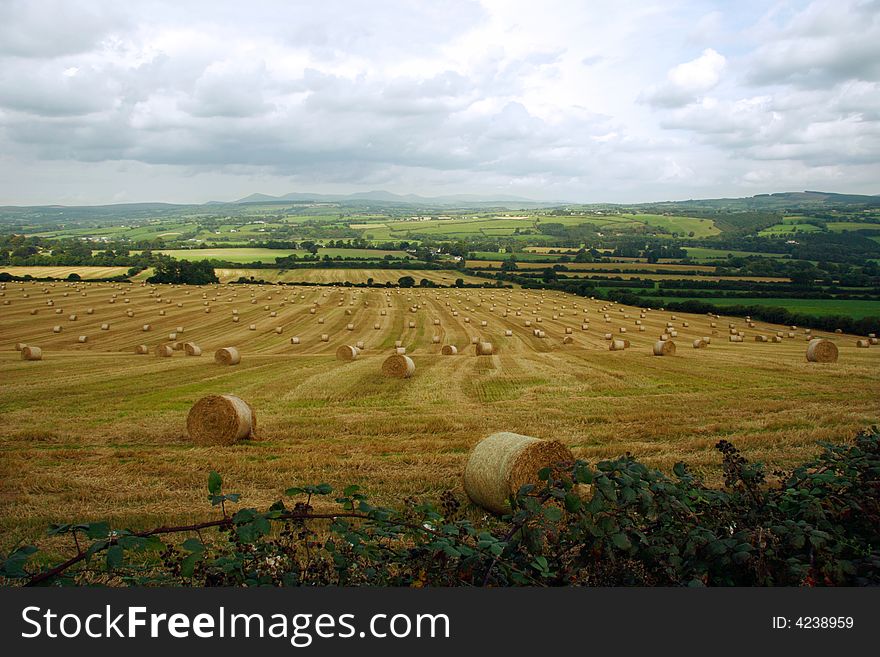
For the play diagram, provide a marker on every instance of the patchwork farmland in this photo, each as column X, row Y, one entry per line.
column 95, row 431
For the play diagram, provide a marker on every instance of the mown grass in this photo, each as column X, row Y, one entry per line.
column 95, row 432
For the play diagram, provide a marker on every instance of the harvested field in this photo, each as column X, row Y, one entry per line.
column 93, row 431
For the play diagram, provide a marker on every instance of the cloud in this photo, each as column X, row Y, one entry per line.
column 609, row 100
column 827, row 43
column 686, row 82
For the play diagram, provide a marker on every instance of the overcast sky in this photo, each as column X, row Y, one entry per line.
column 618, row 100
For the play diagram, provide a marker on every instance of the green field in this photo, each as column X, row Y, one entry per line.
column 789, row 229
column 495, row 226
column 245, row 255
column 821, row 307
column 700, row 253
column 841, row 226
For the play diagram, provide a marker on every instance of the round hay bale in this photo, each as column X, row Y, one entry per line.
column 252, row 327
column 568, row 331
column 360, row 345
column 760, row 338
column 508, row 333
column 31, row 353
column 821, row 351
column 164, row 351
column 227, row 356
column 398, row 366
column 484, row 349
column 567, row 340
column 220, row 420
column 142, row 349
column 83, row 338
column 435, row 339
column 873, row 340
column 664, row 348
column 863, row 344
column 698, row 344
column 19, row 346
column 172, row 336
column 617, row 345
column 325, row 337
column 349, row 327
column 736, row 338
column 707, row 340
column 608, row 336
column 377, row 326
column 145, row 327
column 57, row 329
column 502, row 463
column 436, row 322
column 449, row 350
column 294, row 340
column 400, row 350
column 71, row 318
column 192, row 349
column 347, row 352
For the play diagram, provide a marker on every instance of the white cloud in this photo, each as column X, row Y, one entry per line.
column 687, row 82
column 538, row 99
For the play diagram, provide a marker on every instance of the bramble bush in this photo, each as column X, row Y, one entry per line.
column 616, row 523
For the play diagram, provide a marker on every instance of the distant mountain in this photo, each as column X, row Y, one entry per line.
column 382, row 196
column 780, row 201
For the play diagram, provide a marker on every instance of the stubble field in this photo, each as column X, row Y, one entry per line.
column 94, row 431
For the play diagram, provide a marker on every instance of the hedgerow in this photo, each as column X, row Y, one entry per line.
column 616, row 523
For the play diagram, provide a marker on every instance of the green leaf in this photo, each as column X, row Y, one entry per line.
column 553, row 513
column 115, row 555
column 97, row 529
column 215, row 483
column 193, row 545
column 323, row 489
column 572, row 502
column 621, row 541
column 189, row 563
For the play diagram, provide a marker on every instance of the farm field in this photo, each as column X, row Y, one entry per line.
column 826, row 307
column 786, row 228
column 64, row 272
column 245, row 255
column 702, row 253
column 596, row 266
column 441, row 276
column 94, row 431
column 676, row 277
column 841, row 226
column 508, row 225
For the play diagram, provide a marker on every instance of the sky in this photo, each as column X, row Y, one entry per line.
column 586, row 101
